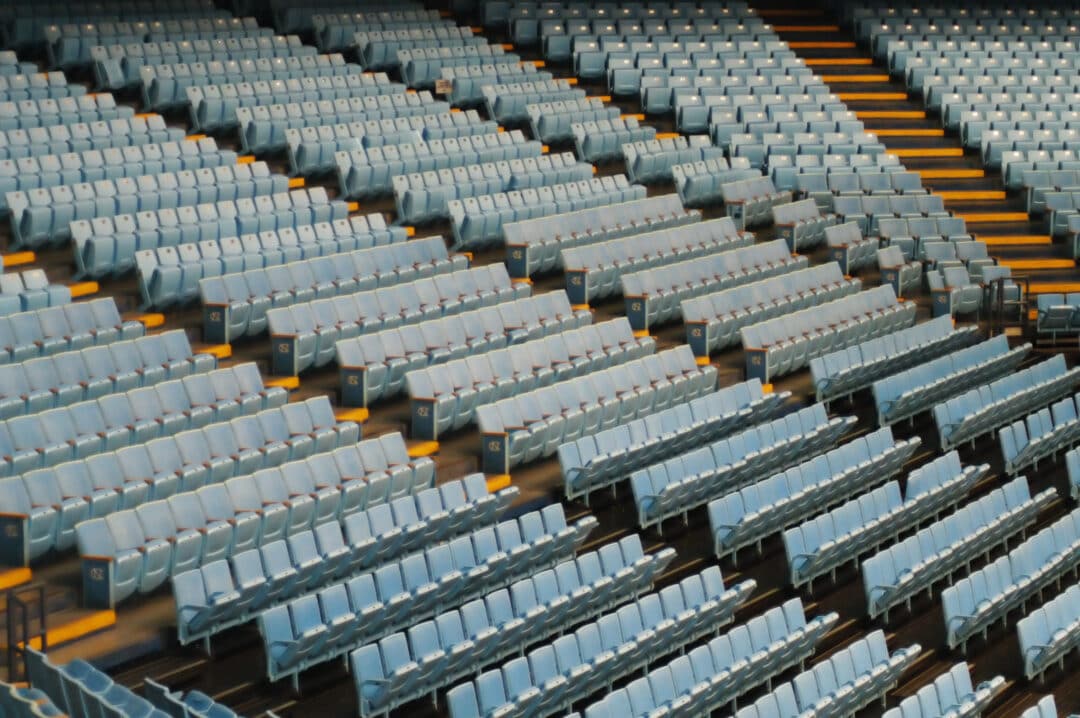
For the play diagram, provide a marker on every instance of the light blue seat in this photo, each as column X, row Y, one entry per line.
column 602, row 140
column 652, row 161
column 509, row 102
column 553, row 121
column 24, row 114
column 1048, row 634
column 698, row 183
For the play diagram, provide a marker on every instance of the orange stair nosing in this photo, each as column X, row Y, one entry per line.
column 890, row 114
column 900, row 132
column 951, row 174
column 423, row 448
column 974, row 195
column 840, row 79
column 80, row 627
column 997, row 240
column 498, row 482
column 821, row 45
column 1054, row 287
column 289, row 383
column 806, row 28
column 839, row 61
column 18, row 258
column 14, row 577
column 1033, row 264
column 928, row 152
column 994, row 217
column 358, row 416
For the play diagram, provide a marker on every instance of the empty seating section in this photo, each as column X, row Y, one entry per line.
column 748, row 516
column 750, row 201
column 713, row 320
column 526, row 427
column 367, row 171
column 117, row 66
column 306, row 334
column 581, row 661
column 480, row 222
column 445, row 397
column 63, row 328
column 1048, row 634
column 43, row 216
column 24, row 114
column 1055, row 314
column 651, row 162
column 554, row 121
column 951, row 693
column 425, row 196
column 70, row 162
column 908, row 393
column 846, row 371
column 801, row 223
column 173, row 275
column 656, row 296
column 848, row 680
column 593, row 271
column 374, row 366
column 600, row 460
column 125, row 131
column 262, row 128
column 535, row 245
column 679, row 484
column 979, row 411
column 783, row 344
column 1042, row 434
column 826, row 543
column 48, row 503
column 699, row 183
column 602, row 140
column 977, row 601
column 81, row 689
column 244, row 298
column 897, row 574
column 509, row 102
column 485, row 559
column 214, row 107
column 106, row 246
column 312, row 149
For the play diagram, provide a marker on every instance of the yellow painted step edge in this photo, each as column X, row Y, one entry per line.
column 952, row 174
column 423, row 448
column 1027, row 264
column 1007, row 239
column 289, row 383
column 972, row 195
column 838, row 79
column 359, row 415
column 18, row 258
column 928, row 152
column 97, row 621
column 15, row 577
column 821, row 45
column 83, row 289
column 890, row 114
column 872, row 96
column 895, row 132
column 498, row 482
column 994, row 217
column 839, row 61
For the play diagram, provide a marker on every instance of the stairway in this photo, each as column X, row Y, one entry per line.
column 993, row 215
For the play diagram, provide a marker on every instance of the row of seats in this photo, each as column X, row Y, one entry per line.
column 24, row 114
column 1049, row 633
column 172, row 275
column 478, row 222
column 312, row 150
column 698, row 183
column 446, row 397
column 905, row 394
column 784, row 344
column 30, row 290
column 508, row 102
column 118, row 420
column 1015, row 164
column 825, row 187
column 651, row 162
column 336, row 30
column 117, row 66
column 553, row 122
column 679, row 484
column 758, row 510
column 26, row 172
column 467, row 82
column 536, row 245
column 785, row 169
column 713, row 320
column 309, row 630
column 870, row 211
column 245, row 298
column 306, row 334
column 903, row 272
column 106, row 246
column 593, row 271
column 600, row 460
column 224, row 593
column 50, row 502
column 368, row 171
column 655, row 296
column 717, row 673
column 420, row 66
column 37, row 86
column 378, row 49
column 860, row 525
column 738, row 104
column 122, row 136
column 418, row 586
column 1040, row 435
column 951, row 692
column 48, row 382
column 26, row 702
column 193, row 704
column 750, row 201
column 1038, row 183
column 526, row 427
column 979, row 411
column 425, row 196
column 163, row 86
column 761, row 146
column 899, row 573
column 79, row 688
column 696, row 604
column 262, row 127
column 976, row 602
column 602, row 140
column 843, row 372
column 43, row 216
column 850, row 249
column 214, row 108
column 373, row 366
column 65, row 328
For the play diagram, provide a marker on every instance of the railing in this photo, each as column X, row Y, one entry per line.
column 20, row 602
